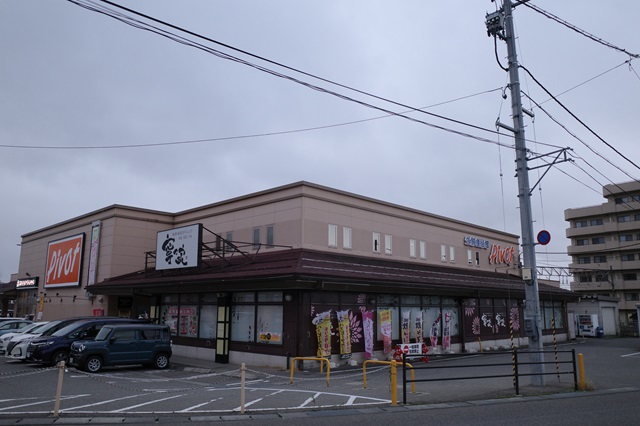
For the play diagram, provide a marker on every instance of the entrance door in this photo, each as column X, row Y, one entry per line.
column 223, row 331
column 609, row 321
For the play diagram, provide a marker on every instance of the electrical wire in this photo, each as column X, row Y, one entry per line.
column 577, row 119
column 579, row 30
column 257, row 135
column 92, row 6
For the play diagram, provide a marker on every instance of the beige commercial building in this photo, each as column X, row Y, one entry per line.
column 298, row 270
column 605, row 252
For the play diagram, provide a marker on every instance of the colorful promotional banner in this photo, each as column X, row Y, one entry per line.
column 367, row 325
column 435, row 328
column 406, row 327
column 345, row 334
column 322, row 321
column 384, row 317
column 446, row 331
column 419, row 326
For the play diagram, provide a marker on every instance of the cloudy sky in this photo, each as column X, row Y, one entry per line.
column 76, row 84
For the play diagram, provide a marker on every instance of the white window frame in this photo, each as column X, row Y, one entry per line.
column 388, row 243
column 423, row 249
column 443, row 253
column 452, row 254
column 470, row 257
column 412, row 248
column 346, row 238
column 333, row 235
column 376, row 242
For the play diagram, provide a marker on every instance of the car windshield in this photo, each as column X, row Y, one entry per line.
column 66, row 330
column 48, row 328
column 27, row 328
column 103, row 333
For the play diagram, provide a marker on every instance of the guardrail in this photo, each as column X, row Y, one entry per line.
column 305, row 358
column 514, row 368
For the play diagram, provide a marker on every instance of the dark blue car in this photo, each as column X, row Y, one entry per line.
column 50, row 350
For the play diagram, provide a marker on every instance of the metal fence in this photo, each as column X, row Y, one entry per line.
column 564, row 362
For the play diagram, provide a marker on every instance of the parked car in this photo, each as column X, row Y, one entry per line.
column 129, row 344
column 5, row 338
column 50, row 350
column 17, row 347
column 13, row 325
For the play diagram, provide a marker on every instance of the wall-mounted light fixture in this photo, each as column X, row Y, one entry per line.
column 288, row 297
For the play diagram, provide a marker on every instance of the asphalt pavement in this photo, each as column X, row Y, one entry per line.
column 606, row 363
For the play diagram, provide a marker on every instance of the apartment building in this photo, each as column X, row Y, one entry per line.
column 297, row 270
column 605, row 249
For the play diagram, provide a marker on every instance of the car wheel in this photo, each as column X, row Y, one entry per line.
column 59, row 357
column 161, row 361
column 93, row 364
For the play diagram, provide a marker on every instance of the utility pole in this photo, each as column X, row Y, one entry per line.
column 500, row 24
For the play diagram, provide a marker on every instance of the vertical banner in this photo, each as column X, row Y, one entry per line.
column 406, row 326
column 93, row 252
column 419, row 327
column 345, row 334
column 435, row 328
column 367, row 325
column 322, row 321
column 446, row 331
column 40, row 309
column 384, row 316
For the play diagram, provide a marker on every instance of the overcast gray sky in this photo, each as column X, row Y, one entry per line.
column 70, row 77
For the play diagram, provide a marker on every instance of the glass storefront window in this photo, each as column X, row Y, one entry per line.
column 208, row 318
column 188, row 322
column 270, row 296
column 242, row 323
column 246, row 297
column 558, row 315
column 270, row 321
column 169, row 316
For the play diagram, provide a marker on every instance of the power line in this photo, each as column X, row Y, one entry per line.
column 579, row 30
column 90, row 5
column 257, row 135
column 577, row 119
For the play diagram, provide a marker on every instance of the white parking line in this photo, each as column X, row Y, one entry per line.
column 633, row 354
column 100, row 403
column 199, row 405
column 146, row 403
column 42, row 402
column 248, row 404
column 310, row 400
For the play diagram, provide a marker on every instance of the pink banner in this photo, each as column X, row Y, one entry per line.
column 367, row 323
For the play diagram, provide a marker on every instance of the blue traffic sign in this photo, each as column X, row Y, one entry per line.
column 544, row 237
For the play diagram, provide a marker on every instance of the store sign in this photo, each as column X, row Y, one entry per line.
column 179, row 248
column 476, row 242
column 64, row 262
column 501, row 255
column 93, row 252
column 27, row 283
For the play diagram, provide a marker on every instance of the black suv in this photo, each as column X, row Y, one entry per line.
column 119, row 344
column 50, row 350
